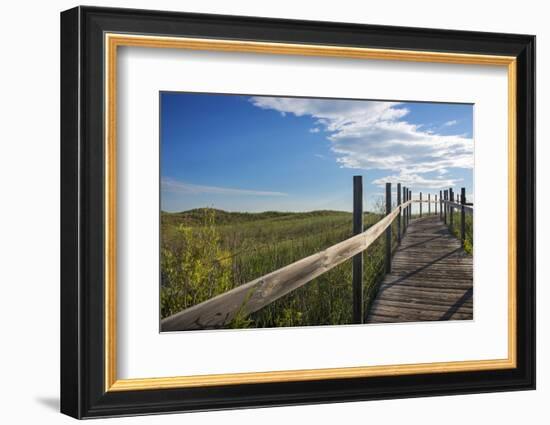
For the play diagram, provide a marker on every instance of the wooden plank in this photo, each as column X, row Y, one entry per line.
column 432, row 307
column 429, row 282
column 426, row 295
column 383, row 318
column 438, row 272
column 434, row 282
column 415, row 256
column 435, row 285
column 423, row 297
column 415, row 312
column 421, row 315
column 250, row 297
column 411, row 290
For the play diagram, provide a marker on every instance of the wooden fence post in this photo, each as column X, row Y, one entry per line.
column 399, row 215
column 357, row 268
column 451, row 209
column 388, row 229
column 410, row 206
column 407, row 209
column 429, row 205
column 445, row 205
column 404, row 211
column 420, row 204
column 435, row 205
column 440, row 205
column 462, row 216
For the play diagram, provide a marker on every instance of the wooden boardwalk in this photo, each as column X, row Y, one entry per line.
column 431, row 278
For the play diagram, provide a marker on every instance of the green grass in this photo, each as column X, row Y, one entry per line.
column 469, row 227
column 206, row 252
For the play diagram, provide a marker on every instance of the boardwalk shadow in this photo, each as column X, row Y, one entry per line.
column 456, row 306
column 414, row 245
column 420, row 269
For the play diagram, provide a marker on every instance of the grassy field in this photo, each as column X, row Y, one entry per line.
column 206, row 252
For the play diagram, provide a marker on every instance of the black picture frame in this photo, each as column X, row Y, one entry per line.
column 83, row 392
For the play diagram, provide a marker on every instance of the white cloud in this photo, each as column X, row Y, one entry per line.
column 373, row 135
column 314, row 130
column 450, row 123
column 174, row 186
column 416, row 181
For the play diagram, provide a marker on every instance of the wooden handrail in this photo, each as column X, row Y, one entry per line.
column 252, row 296
column 468, row 208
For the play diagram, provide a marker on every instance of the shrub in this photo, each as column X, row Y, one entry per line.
column 191, row 269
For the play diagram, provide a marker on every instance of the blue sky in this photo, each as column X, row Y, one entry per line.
column 248, row 153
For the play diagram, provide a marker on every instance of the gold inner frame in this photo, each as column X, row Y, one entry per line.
column 113, row 41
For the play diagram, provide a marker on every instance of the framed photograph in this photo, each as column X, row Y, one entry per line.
column 261, row 212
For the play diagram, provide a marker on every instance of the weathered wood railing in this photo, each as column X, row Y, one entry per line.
column 447, row 205
column 464, row 208
column 245, row 299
